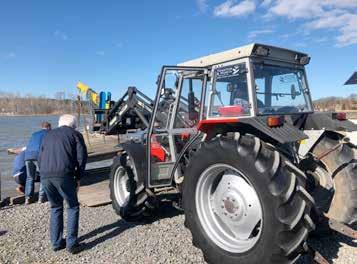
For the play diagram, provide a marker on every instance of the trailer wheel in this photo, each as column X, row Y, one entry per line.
column 244, row 203
column 127, row 193
column 340, row 176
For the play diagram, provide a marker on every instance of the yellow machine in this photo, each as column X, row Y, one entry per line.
column 90, row 94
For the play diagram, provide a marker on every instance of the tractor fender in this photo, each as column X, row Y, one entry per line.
column 257, row 126
column 314, row 136
column 137, row 152
column 325, row 121
column 319, row 123
column 307, row 144
column 353, row 137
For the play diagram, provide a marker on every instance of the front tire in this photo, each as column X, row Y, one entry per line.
column 264, row 187
column 127, row 192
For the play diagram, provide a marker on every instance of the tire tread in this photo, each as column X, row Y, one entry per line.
column 296, row 223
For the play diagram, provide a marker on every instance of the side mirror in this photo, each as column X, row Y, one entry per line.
column 158, row 79
column 294, row 92
column 230, row 87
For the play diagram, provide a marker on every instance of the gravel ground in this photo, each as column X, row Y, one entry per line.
column 24, row 238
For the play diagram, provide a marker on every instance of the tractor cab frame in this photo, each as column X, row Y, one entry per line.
column 176, row 114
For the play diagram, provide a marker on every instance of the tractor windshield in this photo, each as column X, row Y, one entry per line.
column 280, row 90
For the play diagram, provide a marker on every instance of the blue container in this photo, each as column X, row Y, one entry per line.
column 102, row 99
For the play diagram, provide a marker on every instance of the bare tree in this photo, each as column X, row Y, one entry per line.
column 31, row 105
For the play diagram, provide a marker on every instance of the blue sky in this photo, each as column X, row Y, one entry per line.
column 47, row 46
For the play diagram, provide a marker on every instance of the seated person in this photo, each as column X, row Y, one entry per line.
column 239, row 97
column 243, row 103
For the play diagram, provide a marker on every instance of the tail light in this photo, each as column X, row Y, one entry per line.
column 339, row 116
column 275, row 121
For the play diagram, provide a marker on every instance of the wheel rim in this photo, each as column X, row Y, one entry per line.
column 228, row 208
column 120, row 186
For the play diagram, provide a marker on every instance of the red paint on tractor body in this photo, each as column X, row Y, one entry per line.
column 231, row 110
column 156, row 150
column 207, row 124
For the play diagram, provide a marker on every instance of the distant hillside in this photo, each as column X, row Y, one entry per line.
column 336, row 103
column 11, row 104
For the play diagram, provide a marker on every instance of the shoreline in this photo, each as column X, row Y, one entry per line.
column 26, row 115
column 73, row 113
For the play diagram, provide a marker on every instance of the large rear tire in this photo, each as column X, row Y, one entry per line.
column 230, row 181
column 127, row 192
column 340, row 176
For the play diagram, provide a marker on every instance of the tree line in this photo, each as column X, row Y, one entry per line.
column 16, row 104
column 336, row 103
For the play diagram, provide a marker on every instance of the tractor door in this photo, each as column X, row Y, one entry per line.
column 178, row 109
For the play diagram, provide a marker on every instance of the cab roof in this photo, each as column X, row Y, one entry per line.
column 250, row 50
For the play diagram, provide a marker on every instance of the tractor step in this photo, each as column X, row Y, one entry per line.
column 323, row 221
column 316, row 256
column 342, row 228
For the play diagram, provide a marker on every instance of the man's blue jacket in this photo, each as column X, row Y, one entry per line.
column 33, row 147
column 19, row 167
column 63, row 154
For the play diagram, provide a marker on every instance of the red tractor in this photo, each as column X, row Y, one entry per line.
column 235, row 136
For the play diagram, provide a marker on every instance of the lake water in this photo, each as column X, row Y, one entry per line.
column 15, row 131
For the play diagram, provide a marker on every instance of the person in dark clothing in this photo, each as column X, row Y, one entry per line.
column 62, row 161
column 19, row 171
column 31, row 157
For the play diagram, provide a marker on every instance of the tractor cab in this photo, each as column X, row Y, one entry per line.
column 249, row 89
column 256, row 80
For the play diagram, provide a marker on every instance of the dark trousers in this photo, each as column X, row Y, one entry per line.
column 21, row 179
column 57, row 190
column 32, row 175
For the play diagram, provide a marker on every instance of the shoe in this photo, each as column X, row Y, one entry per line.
column 62, row 246
column 28, row 201
column 42, row 199
column 75, row 249
column 20, row 189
